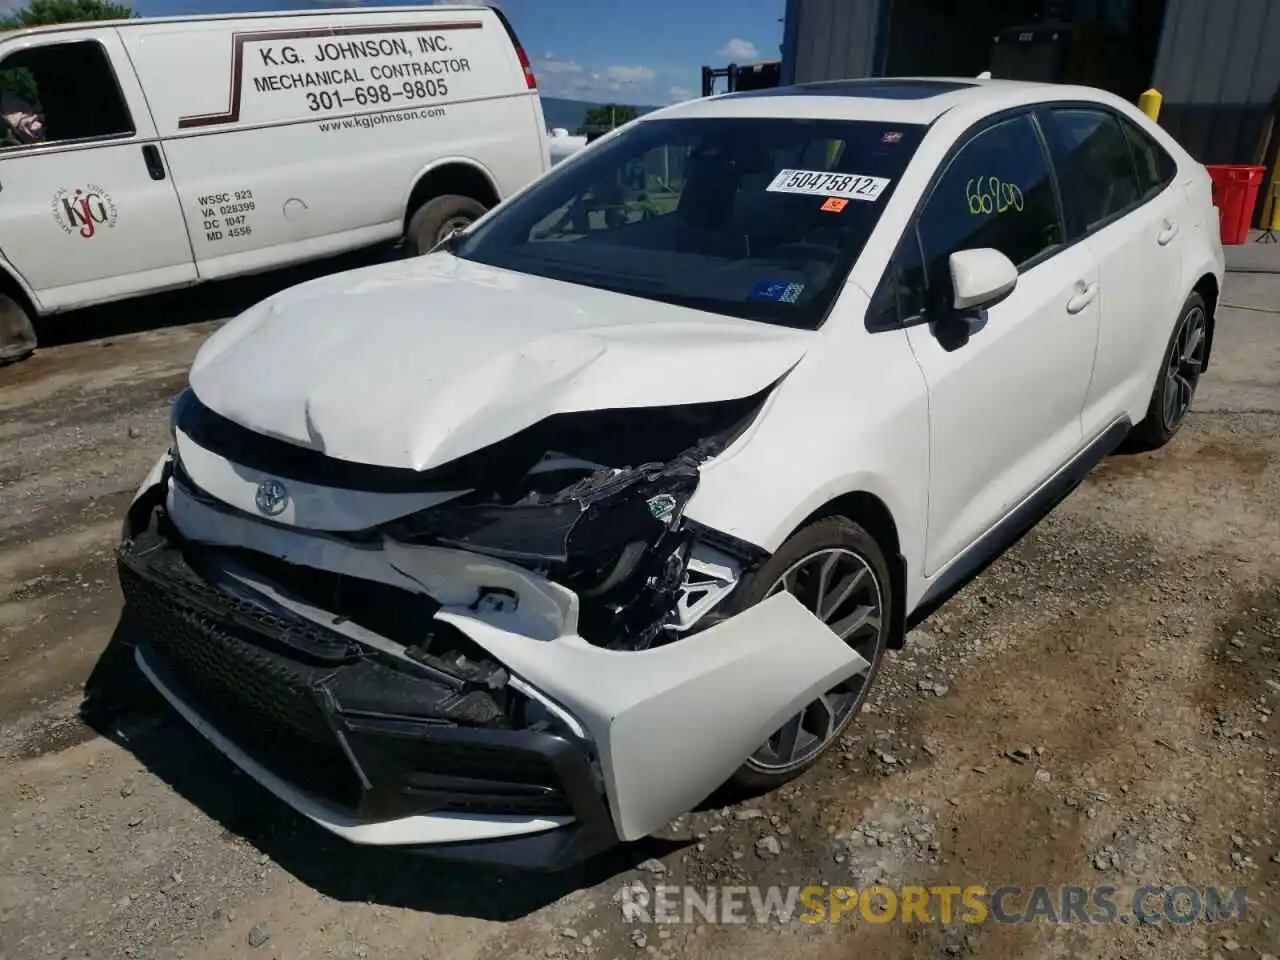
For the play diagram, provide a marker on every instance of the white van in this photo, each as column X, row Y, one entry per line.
column 142, row 155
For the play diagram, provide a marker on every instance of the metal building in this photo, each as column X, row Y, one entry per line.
column 1217, row 62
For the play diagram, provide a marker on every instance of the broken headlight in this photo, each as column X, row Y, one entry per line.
column 614, row 537
column 587, row 524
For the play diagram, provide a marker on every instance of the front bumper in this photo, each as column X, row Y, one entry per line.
column 323, row 737
column 315, row 711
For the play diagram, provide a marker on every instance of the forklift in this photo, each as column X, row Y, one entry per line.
column 740, row 77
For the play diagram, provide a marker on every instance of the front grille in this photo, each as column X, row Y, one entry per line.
column 264, row 703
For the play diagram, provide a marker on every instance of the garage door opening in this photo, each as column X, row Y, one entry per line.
column 1099, row 43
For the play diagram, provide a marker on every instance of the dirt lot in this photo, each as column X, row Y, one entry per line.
column 1096, row 708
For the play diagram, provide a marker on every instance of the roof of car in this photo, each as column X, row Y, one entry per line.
column 901, row 99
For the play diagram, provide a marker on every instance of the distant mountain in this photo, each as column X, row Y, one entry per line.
column 569, row 114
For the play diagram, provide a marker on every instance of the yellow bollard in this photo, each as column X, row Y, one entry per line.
column 1149, row 103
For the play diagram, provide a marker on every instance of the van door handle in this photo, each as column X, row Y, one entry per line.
column 1168, row 233
column 155, row 166
column 1084, row 296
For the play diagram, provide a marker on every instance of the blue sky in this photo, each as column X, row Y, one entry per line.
column 648, row 52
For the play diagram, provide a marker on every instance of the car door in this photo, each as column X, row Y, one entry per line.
column 1124, row 203
column 87, row 209
column 1005, row 386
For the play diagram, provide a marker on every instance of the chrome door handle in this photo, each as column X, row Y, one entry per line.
column 1168, row 233
column 1087, row 291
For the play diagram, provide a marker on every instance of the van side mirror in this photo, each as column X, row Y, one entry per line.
column 981, row 278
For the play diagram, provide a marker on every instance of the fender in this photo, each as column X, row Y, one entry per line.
column 10, row 272
column 908, row 522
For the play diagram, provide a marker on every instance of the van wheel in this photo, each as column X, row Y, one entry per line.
column 436, row 219
column 17, row 335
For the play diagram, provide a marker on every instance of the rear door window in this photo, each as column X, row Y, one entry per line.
column 1097, row 168
column 1155, row 168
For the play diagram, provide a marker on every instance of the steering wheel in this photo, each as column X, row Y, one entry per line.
column 801, row 246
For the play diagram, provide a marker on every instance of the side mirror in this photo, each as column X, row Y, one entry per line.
column 981, row 278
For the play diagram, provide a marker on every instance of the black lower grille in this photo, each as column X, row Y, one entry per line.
column 343, row 725
column 265, row 704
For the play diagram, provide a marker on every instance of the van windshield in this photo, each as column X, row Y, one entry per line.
column 757, row 218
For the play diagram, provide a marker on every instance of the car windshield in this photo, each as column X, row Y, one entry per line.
column 754, row 218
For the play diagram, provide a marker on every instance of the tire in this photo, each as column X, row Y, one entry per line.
column 17, row 335
column 436, row 219
column 798, row 557
column 1179, row 375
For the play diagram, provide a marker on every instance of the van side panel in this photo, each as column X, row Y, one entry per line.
column 298, row 137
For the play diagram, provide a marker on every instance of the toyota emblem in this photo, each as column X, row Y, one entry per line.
column 272, row 497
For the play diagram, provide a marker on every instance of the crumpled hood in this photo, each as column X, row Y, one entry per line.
column 416, row 363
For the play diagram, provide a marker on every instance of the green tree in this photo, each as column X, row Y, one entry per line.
column 38, row 13
column 606, row 117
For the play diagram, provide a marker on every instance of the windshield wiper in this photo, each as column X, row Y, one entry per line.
column 449, row 244
column 622, row 283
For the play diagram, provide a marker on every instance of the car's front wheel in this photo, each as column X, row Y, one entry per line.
column 1179, row 376
column 838, row 571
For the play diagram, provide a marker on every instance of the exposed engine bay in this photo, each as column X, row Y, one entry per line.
column 592, row 500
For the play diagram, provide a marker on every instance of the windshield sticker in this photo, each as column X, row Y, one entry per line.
column 779, row 291
column 893, row 136
column 992, row 195
column 834, row 204
column 820, row 184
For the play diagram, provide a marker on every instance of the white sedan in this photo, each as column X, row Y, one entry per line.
column 524, row 547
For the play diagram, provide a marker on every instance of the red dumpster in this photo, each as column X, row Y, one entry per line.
column 1235, row 194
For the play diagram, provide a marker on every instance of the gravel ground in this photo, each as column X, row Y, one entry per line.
column 1098, row 707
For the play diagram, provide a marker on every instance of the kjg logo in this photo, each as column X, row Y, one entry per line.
column 85, row 210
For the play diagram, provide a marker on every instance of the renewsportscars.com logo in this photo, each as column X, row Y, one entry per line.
column 371, row 120
column 1006, row 904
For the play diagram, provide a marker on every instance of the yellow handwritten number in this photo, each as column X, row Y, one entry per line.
column 979, row 201
column 992, row 195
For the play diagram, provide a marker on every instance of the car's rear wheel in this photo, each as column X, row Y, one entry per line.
column 1179, row 376
column 436, row 219
column 838, row 571
column 17, row 335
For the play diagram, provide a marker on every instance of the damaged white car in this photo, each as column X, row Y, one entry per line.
column 524, row 547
